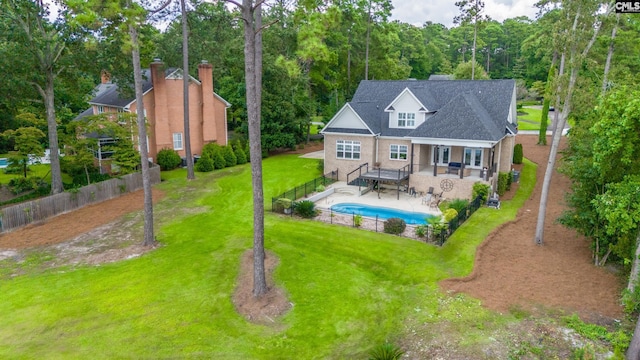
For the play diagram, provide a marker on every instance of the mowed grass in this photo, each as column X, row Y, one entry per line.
column 531, row 119
column 350, row 289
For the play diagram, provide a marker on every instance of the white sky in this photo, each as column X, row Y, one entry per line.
column 417, row 12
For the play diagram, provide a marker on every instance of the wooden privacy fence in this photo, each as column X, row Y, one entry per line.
column 23, row 214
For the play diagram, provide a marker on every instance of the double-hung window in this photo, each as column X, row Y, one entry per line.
column 406, row 119
column 348, row 149
column 177, row 141
column 398, row 152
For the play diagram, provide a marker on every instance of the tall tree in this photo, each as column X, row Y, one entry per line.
column 577, row 34
column 470, row 13
column 251, row 13
column 185, row 78
column 126, row 17
column 45, row 43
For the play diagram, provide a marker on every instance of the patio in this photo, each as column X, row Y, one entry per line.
column 388, row 197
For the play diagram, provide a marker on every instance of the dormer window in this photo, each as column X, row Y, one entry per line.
column 406, row 119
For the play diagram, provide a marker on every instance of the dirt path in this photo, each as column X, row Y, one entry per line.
column 511, row 271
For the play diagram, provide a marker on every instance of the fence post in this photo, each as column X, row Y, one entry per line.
column 376, row 222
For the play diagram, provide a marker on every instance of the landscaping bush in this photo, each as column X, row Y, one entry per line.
column 394, row 226
column 305, row 209
column 421, row 231
column 357, row 220
column 210, row 150
column 504, row 182
column 230, row 158
column 449, row 214
column 241, row 157
column 517, row 154
column 481, row 189
column 205, row 164
column 168, row 159
column 386, row 352
column 458, row 205
column 218, row 161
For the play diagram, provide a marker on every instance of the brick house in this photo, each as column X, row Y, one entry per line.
column 163, row 102
column 421, row 134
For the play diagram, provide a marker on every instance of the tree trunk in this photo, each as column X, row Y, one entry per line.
column 366, row 52
column 149, row 238
column 56, row 173
column 607, row 65
column 185, row 78
column 253, row 74
column 551, row 162
column 633, row 276
column 475, row 38
column 633, row 352
column 544, row 120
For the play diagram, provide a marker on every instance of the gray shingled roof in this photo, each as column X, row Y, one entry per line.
column 348, row 131
column 111, row 96
column 464, row 109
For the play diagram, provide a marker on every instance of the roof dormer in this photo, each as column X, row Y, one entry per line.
column 406, row 111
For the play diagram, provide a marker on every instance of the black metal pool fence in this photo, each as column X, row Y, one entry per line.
column 280, row 205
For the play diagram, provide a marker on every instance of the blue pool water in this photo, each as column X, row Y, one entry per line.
column 413, row 218
column 3, row 162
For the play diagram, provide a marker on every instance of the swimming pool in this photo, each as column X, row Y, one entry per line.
column 3, row 163
column 414, row 218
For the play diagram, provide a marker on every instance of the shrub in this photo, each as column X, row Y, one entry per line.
column 394, row 226
column 168, row 159
column 481, row 189
column 21, row 184
column 241, row 157
column 210, row 150
column 205, row 164
column 305, row 209
column 504, row 182
column 459, row 205
column 320, row 188
column 229, row 156
column 357, row 220
column 218, row 161
column 421, row 230
column 517, row 154
column 449, row 214
column 386, row 352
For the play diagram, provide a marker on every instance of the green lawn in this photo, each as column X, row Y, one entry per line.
column 351, row 289
column 530, row 121
column 38, row 170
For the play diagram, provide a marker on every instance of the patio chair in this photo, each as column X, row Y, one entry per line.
column 427, row 199
column 430, row 190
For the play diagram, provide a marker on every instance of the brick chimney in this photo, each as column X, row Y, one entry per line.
column 158, row 115
column 205, row 74
column 105, row 77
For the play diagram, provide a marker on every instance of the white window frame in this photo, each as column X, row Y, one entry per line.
column 406, row 119
column 348, row 149
column 442, row 151
column 471, row 157
column 178, row 144
column 100, row 109
column 397, row 151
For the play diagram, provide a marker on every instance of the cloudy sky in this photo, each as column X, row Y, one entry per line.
column 417, row 12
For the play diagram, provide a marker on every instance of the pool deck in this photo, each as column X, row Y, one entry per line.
column 388, row 198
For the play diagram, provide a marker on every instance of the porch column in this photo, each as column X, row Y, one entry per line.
column 462, row 165
column 435, row 160
column 411, row 168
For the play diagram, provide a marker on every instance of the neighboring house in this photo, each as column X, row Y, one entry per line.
column 163, row 102
column 424, row 133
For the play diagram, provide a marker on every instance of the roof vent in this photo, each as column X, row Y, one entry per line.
column 412, row 79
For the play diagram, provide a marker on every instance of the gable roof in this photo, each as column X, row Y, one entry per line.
column 111, row 96
column 464, row 109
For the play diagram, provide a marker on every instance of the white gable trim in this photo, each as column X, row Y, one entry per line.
column 390, row 108
column 338, row 115
column 178, row 74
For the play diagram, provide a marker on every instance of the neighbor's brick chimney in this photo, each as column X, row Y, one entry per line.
column 105, row 77
column 205, row 74
column 159, row 120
